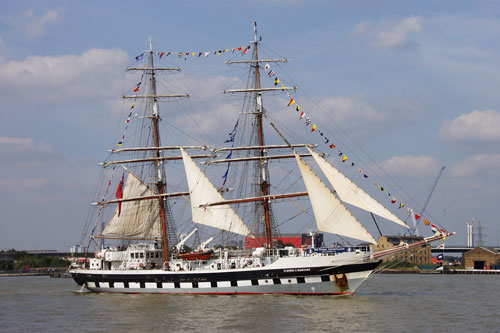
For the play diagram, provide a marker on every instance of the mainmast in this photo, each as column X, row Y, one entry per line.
column 261, row 172
column 264, row 184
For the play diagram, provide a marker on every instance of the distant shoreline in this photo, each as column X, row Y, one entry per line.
column 50, row 271
column 451, row 271
column 22, row 274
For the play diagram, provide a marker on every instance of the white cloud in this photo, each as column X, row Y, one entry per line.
column 361, row 119
column 355, row 116
column 24, row 152
column 399, row 33
column 23, row 145
column 480, row 165
column 37, row 80
column 38, row 25
column 345, row 110
column 203, row 115
column 22, row 185
column 477, row 126
column 478, row 171
column 208, row 126
column 394, row 34
column 361, row 28
column 422, row 166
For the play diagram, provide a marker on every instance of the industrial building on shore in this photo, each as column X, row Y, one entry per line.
column 482, row 257
column 420, row 255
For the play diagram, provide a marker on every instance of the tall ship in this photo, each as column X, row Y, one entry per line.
column 134, row 229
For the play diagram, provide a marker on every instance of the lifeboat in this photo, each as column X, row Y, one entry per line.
column 200, row 255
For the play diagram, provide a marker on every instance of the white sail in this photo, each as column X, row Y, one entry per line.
column 138, row 218
column 203, row 192
column 331, row 215
column 352, row 193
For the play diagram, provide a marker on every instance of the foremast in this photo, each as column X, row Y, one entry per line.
column 152, row 98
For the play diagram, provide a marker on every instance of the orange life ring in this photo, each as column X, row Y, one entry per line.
column 140, row 265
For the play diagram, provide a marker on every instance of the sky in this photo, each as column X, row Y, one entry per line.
column 402, row 86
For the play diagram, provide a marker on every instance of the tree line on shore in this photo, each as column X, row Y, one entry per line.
column 21, row 260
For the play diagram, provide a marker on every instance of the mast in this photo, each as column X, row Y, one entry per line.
column 160, row 184
column 264, row 184
column 263, row 210
column 148, row 159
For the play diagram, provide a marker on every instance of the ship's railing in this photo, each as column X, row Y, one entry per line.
column 277, row 252
column 330, row 251
column 240, row 253
column 295, row 252
column 286, row 252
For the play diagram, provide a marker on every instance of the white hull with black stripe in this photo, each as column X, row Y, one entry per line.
column 338, row 274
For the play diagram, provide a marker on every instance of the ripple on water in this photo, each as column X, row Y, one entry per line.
column 384, row 303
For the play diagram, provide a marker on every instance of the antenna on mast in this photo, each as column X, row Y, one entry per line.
column 150, row 44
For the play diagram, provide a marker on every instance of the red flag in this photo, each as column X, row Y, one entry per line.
column 119, row 194
column 417, row 216
column 332, row 146
column 161, row 54
column 137, row 89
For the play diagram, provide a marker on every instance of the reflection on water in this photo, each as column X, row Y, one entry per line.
column 384, row 303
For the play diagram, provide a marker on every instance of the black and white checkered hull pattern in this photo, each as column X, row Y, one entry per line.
column 340, row 280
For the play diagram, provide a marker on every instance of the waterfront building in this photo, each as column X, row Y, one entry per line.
column 420, row 255
column 482, row 258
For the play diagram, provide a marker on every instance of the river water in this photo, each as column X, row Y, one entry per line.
column 418, row 303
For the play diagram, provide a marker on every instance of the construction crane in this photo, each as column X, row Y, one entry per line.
column 415, row 223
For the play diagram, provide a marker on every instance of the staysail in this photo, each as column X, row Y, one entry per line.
column 351, row 193
column 138, row 218
column 331, row 215
column 203, row 192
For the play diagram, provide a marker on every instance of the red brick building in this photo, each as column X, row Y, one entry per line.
column 481, row 258
column 295, row 240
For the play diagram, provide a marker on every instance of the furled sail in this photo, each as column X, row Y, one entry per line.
column 139, row 218
column 331, row 215
column 352, row 193
column 203, row 192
